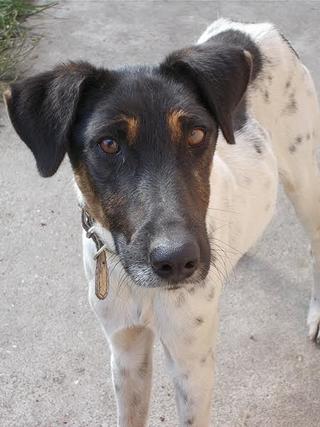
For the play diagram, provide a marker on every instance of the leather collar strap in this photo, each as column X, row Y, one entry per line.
column 102, row 271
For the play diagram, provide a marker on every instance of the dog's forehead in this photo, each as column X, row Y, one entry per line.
column 144, row 108
column 146, row 94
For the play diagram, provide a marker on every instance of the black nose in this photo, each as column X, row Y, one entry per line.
column 175, row 262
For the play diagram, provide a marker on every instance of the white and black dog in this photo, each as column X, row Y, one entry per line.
column 175, row 164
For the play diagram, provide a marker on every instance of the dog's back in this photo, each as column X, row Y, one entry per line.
column 283, row 100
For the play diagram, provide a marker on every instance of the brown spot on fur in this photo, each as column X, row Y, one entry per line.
column 93, row 204
column 289, row 187
column 133, row 127
column 175, row 124
column 101, row 210
column 124, row 340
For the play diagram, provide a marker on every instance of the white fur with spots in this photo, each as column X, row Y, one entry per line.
column 244, row 181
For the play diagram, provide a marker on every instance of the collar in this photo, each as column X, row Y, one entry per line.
column 88, row 226
column 102, row 271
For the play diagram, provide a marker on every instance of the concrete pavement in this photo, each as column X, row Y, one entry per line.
column 54, row 361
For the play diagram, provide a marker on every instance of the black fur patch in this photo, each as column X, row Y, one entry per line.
column 234, row 38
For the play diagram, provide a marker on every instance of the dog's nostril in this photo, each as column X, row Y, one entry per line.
column 190, row 264
column 166, row 267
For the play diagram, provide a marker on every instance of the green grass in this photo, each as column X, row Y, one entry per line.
column 15, row 43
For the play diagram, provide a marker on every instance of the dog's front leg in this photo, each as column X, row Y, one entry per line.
column 188, row 343
column 131, row 363
column 131, row 347
column 192, row 371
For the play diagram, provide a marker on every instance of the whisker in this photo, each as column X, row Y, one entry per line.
column 227, row 244
column 222, row 210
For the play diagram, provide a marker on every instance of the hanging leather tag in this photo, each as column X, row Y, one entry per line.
column 102, row 276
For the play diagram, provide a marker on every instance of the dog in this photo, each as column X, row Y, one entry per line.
column 176, row 167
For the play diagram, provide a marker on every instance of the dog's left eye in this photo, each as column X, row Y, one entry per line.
column 109, row 146
column 196, row 136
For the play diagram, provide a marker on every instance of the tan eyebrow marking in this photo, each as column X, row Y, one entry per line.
column 133, row 127
column 175, row 124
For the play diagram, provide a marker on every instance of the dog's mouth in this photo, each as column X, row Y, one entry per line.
column 145, row 277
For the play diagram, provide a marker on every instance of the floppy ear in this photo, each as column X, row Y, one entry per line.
column 220, row 75
column 42, row 109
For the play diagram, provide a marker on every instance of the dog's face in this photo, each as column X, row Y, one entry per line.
column 141, row 143
column 146, row 148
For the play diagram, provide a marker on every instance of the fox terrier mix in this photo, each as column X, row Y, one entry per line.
column 174, row 165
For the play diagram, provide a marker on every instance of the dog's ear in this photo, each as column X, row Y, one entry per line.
column 42, row 109
column 220, row 75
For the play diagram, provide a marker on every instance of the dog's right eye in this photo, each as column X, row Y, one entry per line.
column 196, row 137
column 109, row 146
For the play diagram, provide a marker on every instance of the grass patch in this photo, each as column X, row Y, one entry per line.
column 14, row 41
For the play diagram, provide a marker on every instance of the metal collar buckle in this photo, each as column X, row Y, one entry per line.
column 102, row 273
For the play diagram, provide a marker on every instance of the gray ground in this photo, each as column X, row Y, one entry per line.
column 54, row 366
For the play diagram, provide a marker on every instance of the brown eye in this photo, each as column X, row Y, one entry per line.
column 109, row 146
column 196, row 136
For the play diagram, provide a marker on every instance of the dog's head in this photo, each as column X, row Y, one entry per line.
column 141, row 143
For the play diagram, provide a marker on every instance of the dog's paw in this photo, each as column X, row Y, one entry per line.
column 314, row 321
